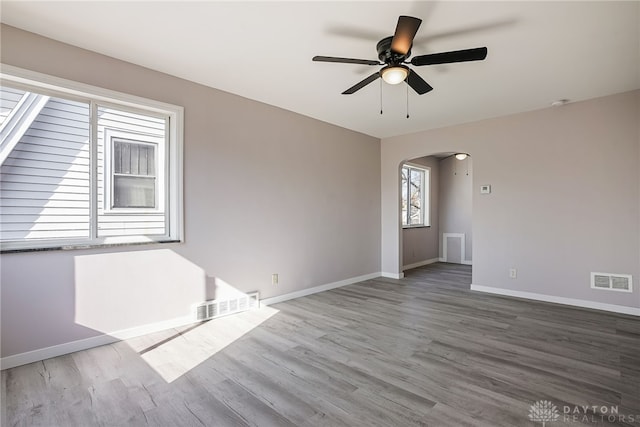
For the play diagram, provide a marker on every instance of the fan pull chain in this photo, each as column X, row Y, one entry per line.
column 407, row 101
column 380, row 96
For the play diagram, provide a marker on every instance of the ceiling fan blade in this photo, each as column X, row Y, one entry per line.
column 464, row 55
column 346, row 60
column 405, row 32
column 373, row 77
column 417, row 83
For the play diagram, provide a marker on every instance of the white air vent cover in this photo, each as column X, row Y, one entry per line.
column 612, row 282
column 216, row 308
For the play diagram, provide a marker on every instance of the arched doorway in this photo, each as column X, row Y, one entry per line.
column 435, row 210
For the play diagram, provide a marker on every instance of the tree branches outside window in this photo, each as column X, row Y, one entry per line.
column 413, row 196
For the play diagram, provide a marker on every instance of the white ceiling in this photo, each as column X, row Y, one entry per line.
column 538, row 52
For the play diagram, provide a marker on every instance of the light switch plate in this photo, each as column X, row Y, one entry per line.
column 485, row 189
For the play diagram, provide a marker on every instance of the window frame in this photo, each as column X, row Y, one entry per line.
column 425, row 206
column 111, row 175
column 45, row 84
column 110, row 136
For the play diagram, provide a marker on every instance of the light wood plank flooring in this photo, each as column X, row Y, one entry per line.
column 419, row 351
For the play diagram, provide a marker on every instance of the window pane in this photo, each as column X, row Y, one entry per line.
column 149, row 160
column 415, row 208
column 131, row 158
column 133, row 192
column 142, row 160
column 132, row 180
column 44, row 192
column 426, row 220
column 58, row 166
column 405, row 186
column 135, row 159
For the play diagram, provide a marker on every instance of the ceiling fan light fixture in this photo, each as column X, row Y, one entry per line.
column 394, row 74
column 461, row 156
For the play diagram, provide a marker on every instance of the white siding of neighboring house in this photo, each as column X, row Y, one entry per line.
column 44, row 182
column 8, row 100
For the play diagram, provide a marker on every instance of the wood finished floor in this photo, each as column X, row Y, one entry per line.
column 419, row 351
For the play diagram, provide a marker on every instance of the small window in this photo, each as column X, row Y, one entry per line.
column 134, row 174
column 415, row 197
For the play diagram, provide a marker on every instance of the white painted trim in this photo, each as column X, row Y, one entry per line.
column 392, row 275
column 111, row 135
column 84, row 344
column 316, row 289
column 465, row 262
column 462, row 238
column 633, row 311
column 420, row 264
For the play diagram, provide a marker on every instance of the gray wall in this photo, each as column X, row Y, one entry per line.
column 454, row 206
column 421, row 244
column 565, row 196
column 266, row 191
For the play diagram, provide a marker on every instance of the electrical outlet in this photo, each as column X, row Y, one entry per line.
column 274, row 279
column 513, row 273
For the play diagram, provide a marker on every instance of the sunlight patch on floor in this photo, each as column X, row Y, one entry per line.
column 174, row 357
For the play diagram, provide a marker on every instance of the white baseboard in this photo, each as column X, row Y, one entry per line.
column 73, row 346
column 316, row 289
column 420, row 264
column 392, row 275
column 559, row 300
column 465, row 262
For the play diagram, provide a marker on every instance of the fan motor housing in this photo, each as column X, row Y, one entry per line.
column 386, row 55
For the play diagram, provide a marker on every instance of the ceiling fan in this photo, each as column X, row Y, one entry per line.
column 394, row 51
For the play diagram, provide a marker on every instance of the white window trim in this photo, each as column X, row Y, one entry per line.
column 51, row 85
column 161, row 171
column 425, row 220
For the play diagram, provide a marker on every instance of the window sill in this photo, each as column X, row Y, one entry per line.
column 409, row 227
column 81, row 246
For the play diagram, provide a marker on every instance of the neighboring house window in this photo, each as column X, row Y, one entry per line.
column 415, row 196
column 134, row 174
column 81, row 166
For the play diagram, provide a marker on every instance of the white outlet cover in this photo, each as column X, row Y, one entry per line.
column 485, row 189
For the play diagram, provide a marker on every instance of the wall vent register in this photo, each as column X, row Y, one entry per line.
column 218, row 308
column 612, row 282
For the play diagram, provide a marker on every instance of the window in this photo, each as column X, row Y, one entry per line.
column 415, row 196
column 134, row 175
column 82, row 166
